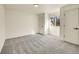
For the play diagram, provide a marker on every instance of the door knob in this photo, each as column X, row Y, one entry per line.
column 76, row 28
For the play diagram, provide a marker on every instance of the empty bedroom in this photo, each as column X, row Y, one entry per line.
column 39, row 28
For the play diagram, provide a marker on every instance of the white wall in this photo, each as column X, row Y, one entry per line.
column 46, row 23
column 2, row 26
column 20, row 23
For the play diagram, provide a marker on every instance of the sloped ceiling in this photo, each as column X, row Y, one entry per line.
column 29, row 8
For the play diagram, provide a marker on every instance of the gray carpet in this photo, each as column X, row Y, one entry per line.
column 38, row 44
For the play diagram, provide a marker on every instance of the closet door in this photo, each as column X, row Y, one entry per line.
column 71, row 26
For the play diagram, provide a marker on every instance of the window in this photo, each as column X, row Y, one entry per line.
column 55, row 20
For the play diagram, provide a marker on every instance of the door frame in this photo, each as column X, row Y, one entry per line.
column 62, row 10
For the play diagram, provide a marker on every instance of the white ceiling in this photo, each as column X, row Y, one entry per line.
column 50, row 8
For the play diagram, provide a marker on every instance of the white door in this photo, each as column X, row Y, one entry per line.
column 71, row 26
column 42, row 22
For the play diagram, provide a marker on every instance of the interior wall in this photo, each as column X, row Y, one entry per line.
column 20, row 23
column 46, row 23
column 2, row 26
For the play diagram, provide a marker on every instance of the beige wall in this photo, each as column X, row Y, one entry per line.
column 20, row 23
column 2, row 26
